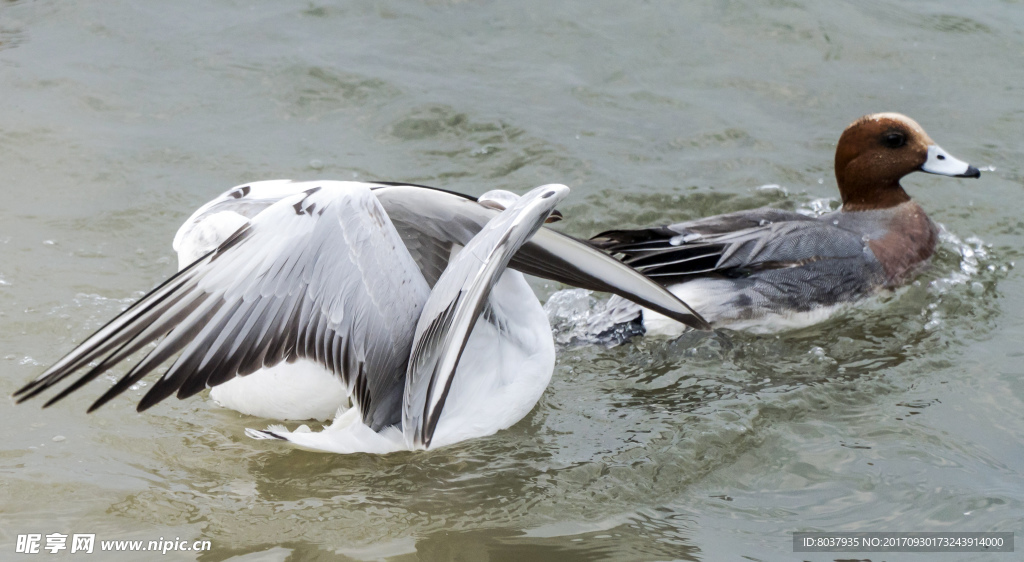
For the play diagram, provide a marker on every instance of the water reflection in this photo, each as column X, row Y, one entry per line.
column 640, row 537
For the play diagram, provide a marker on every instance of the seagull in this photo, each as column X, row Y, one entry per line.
column 396, row 294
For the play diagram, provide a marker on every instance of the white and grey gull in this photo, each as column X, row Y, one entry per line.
column 388, row 303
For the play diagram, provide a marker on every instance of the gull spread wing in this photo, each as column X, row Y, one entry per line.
column 455, row 304
column 321, row 274
column 431, row 220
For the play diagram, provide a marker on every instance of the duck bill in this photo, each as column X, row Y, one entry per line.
column 942, row 163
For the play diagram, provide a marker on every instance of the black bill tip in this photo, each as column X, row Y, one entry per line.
column 555, row 216
column 971, row 172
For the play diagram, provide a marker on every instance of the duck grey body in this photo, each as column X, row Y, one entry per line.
column 751, row 269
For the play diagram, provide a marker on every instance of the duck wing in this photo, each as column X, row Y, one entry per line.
column 319, row 274
column 455, row 304
column 679, row 252
column 689, row 231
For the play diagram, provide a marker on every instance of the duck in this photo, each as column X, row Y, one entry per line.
column 389, row 307
column 765, row 270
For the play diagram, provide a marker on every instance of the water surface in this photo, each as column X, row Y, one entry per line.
column 120, row 118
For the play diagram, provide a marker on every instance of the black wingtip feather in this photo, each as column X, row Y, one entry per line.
column 159, row 298
column 158, row 393
column 32, row 391
column 610, row 238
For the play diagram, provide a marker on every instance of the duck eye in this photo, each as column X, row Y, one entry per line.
column 894, row 140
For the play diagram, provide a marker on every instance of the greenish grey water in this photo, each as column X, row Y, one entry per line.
column 120, row 118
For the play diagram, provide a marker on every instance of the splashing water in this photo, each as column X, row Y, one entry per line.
column 579, row 318
column 818, row 207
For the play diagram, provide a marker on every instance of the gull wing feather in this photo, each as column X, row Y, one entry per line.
column 433, row 220
column 455, row 305
column 246, row 200
column 320, row 274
